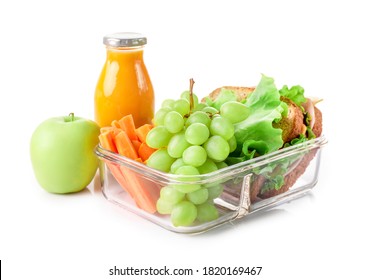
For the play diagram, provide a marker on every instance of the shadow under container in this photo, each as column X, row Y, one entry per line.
column 297, row 166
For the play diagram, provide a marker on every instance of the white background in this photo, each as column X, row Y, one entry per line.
column 51, row 54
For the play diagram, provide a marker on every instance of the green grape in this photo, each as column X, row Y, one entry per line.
column 217, row 148
column 199, row 107
column 158, row 137
column 171, row 195
column 214, row 191
column 167, row 103
column 206, row 212
column 160, row 160
column 208, row 167
column 183, row 214
column 164, row 207
column 194, row 156
column 221, row 164
column 210, row 110
column 197, row 134
column 187, row 170
column 177, row 145
column 222, row 127
column 173, row 122
column 178, row 163
column 160, row 116
column 182, row 106
column 198, row 117
column 186, row 95
column 234, row 111
column 232, row 142
column 199, row 196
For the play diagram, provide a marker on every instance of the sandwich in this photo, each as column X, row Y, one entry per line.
column 278, row 119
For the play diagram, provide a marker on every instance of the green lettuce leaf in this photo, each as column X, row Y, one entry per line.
column 265, row 108
column 274, row 173
column 309, row 131
column 273, row 183
column 256, row 135
column 295, row 93
column 253, row 148
column 302, row 138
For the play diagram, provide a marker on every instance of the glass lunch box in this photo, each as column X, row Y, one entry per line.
column 298, row 166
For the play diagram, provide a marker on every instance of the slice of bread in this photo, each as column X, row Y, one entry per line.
column 242, row 92
column 293, row 124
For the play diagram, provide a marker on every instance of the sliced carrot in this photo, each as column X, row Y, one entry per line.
column 128, row 125
column 125, row 146
column 116, row 124
column 120, row 177
column 105, row 129
column 136, row 144
column 122, row 137
column 128, row 180
column 145, row 151
column 142, row 132
column 145, row 195
column 112, row 129
column 107, row 141
column 116, row 131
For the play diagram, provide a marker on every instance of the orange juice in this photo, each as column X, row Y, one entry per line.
column 124, row 86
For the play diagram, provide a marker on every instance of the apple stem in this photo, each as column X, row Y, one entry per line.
column 70, row 118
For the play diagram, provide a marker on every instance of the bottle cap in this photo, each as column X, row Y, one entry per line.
column 124, row 39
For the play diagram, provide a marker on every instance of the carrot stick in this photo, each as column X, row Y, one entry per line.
column 120, row 177
column 105, row 129
column 136, row 144
column 145, row 195
column 145, row 151
column 107, row 141
column 128, row 125
column 142, row 132
column 125, row 146
column 115, row 124
column 116, row 131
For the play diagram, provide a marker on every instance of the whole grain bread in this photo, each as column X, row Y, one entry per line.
column 241, row 92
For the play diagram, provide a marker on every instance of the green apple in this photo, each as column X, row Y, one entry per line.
column 62, row 153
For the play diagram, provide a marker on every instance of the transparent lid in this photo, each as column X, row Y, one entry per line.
column 124, row 39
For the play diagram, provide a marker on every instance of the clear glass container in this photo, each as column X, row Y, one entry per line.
column 298, row 165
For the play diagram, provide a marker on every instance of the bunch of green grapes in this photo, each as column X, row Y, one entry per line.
column 191, row 139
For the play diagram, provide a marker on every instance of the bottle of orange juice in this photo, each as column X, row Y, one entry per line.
column 124, row 86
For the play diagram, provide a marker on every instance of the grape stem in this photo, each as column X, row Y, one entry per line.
column 192, row 82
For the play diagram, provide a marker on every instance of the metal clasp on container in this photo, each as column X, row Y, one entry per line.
column 245, row 201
